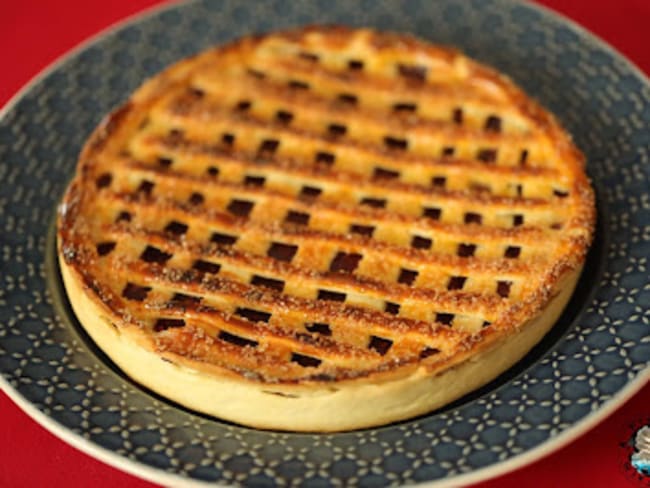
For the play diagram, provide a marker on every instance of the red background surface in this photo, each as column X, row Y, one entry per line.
column 33, row 33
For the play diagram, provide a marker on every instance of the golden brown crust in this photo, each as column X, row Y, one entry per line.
column 325, row 205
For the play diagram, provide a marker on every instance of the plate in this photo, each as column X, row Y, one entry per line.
column 594, row 358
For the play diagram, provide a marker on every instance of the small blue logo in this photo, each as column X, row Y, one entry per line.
column 635, row 452
column 640, row 458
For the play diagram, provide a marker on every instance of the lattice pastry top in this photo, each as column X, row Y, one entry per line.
column 321, row 229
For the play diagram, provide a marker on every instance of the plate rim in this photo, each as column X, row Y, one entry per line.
column 152, row 474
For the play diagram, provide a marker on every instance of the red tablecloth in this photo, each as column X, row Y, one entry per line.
column 35, row 32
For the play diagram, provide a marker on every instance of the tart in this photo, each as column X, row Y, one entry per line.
column 323, row 229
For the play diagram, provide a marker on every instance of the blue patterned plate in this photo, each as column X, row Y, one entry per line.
column 595, row 357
